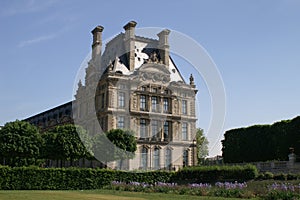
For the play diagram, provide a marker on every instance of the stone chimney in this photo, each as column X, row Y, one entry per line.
column 97, row 42
column 163, row 46
column 129, row 42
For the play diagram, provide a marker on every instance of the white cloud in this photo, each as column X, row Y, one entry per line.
column 37, row 40
column 26, row 6
column 43, row 37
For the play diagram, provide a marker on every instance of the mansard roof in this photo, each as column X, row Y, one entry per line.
column 144, row 47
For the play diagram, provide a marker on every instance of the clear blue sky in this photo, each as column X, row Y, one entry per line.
column 255, row 45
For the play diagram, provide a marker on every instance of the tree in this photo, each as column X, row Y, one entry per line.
column 262, row 142
column 201, row 145
column 65, row 143
column 20, row 144
column 123, row 145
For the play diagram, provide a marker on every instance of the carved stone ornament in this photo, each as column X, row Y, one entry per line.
column 153, row 58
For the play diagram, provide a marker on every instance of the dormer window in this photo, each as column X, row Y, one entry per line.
column 144, row 88
column 154, row 90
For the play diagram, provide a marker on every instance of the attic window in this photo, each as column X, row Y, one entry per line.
column 143, row 88
column 139, row 59
column 173, row 70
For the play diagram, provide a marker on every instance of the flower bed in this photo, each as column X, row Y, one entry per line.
column 225, row 189
column 220, row 189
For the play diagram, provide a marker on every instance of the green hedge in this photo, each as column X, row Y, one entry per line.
column 210, row 174
column 34, row 178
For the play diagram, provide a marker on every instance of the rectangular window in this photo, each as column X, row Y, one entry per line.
column 121, row 122
column 166, row 130
column 154, row 90
column 184, row 131
column 122, row 86
column 184, row 107
column 143, row 102
column 121, row 100
column 143, row 130
column 154, row 128
column 166, row 105
column 154, row 103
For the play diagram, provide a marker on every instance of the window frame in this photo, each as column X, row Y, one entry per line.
column 154, row 104
column 143, row 102
column 121, row 122
column 121, row 99
column 184, row 107
column 184, row 131
column 143, row 126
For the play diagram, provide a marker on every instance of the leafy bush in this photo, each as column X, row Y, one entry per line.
column 35, row 178
column 280, row 176
column 268, row 175
column 216, row 173
column 281, row 195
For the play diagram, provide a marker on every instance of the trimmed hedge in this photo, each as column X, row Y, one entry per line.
column 34, row 178
column 210, row 174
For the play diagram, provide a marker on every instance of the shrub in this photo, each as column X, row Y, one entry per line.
column 268, row 175
column 216, row 173
column 35, row 178
column 281, row 195
column 280, row 176
column 292, row 176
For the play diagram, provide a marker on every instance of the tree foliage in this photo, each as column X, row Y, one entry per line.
column 116, row 144
column 201, row 145
column 64, row 143
column 20, row 144
column 262, row 142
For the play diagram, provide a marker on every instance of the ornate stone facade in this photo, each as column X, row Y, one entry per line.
column 134, row 84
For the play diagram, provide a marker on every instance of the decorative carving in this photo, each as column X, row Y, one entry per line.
column 175, row 106
column 192, row 80
column 110, row 66
column 153, row 58
column 134, row 98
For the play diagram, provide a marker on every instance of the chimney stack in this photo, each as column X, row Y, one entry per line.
column 97, row 42
column 163, row 46
column 129, row 42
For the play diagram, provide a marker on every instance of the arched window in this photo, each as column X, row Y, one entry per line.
column 168, row 158
column 156, row 162
column 144, row 158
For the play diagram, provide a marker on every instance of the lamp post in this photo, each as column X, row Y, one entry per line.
column 194, row 145
column 150, row 154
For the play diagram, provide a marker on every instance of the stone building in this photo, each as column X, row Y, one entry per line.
column 48, row 119
column 134, row 84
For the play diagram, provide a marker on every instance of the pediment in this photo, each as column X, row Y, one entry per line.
column 154, row 68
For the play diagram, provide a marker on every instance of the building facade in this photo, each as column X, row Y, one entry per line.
column 134, row 84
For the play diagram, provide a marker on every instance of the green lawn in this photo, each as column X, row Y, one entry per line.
column 94, row 195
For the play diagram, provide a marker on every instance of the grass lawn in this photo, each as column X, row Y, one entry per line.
column 94, row 195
